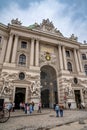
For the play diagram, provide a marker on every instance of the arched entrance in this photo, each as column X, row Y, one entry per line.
column 19, row 96
column 49, row 92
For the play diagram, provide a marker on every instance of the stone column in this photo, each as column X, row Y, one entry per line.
column 76, row 60
column 82, row 98
column 64, row 58
column 60, row 58
column 32, row 52
column 37, row 53
column 14, row 49
column 80, row 63
column 9, row 47
column 4, row 43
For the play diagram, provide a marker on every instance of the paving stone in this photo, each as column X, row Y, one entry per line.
column 45, row 121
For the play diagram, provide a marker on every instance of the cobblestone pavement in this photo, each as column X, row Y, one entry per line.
column 46, row 120
column 72, row 126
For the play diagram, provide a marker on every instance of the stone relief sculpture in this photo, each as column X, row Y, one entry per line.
column 35, row 88
column 7, row 80
column 44, row 60
column 68, row 90
column 69, row 84
column 46, row 25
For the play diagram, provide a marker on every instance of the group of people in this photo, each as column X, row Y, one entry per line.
column 59, row 110
column 28, row 108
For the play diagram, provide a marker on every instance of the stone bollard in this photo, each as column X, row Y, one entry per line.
column 81, row 121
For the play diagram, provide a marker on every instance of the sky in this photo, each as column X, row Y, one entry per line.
column 68, row 16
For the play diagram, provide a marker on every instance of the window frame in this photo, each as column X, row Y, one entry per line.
column 83, row 56
column 85, row 69
column 67, row 53
column 23, row 44
column 22, row 59
column 69, row 66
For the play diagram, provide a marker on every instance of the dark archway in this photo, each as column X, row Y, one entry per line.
column 19, row 96
column 49, row 92
column 45, row 98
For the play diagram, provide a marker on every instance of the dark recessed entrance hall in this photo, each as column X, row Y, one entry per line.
column 49, row 92
column 19, row 96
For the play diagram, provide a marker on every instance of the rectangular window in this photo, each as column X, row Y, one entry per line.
column 84, row 56
column 23, row 44
column 67, row 53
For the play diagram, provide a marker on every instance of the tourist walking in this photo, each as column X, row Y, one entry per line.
column 69, row 105
column 61, row 107
column 32, row 106
column 28, row 109
column 9, row 106
column 57, row 110
column 39, row 107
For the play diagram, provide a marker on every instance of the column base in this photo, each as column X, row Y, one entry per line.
column 82, row 73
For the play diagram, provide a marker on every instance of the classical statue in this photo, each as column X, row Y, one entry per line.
column 16, row 21
column 73, row 37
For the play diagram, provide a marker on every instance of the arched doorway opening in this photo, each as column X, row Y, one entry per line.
column 19, row 96
column 49, row 91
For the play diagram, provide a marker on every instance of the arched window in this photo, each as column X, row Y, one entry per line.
column 85, row 68
column 22, row 59
column 69, row 66
column 84, row 56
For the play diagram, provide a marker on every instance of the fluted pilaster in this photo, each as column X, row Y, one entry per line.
column 32, row 52
column 14, row 49
column 37, row 53
column 64, row 58
column 76, row 60
column 9, row 47
column 4, row 44
column 60, row 57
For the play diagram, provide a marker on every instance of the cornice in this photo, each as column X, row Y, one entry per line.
column 41, row 33
column 3, row 27
column 83, row 46
column 44, row 34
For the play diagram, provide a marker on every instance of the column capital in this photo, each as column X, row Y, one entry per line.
column 37, row 39
column 33, row 38
column 16, row 35
column 11, row 34
column 59, row 44
column 4, row 37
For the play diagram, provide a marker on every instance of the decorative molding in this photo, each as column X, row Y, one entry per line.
column 7, row 86
column 52, row 59
column 46, row 25
column 35, row 88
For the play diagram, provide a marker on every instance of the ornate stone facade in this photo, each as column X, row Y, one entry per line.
column 39, row 64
